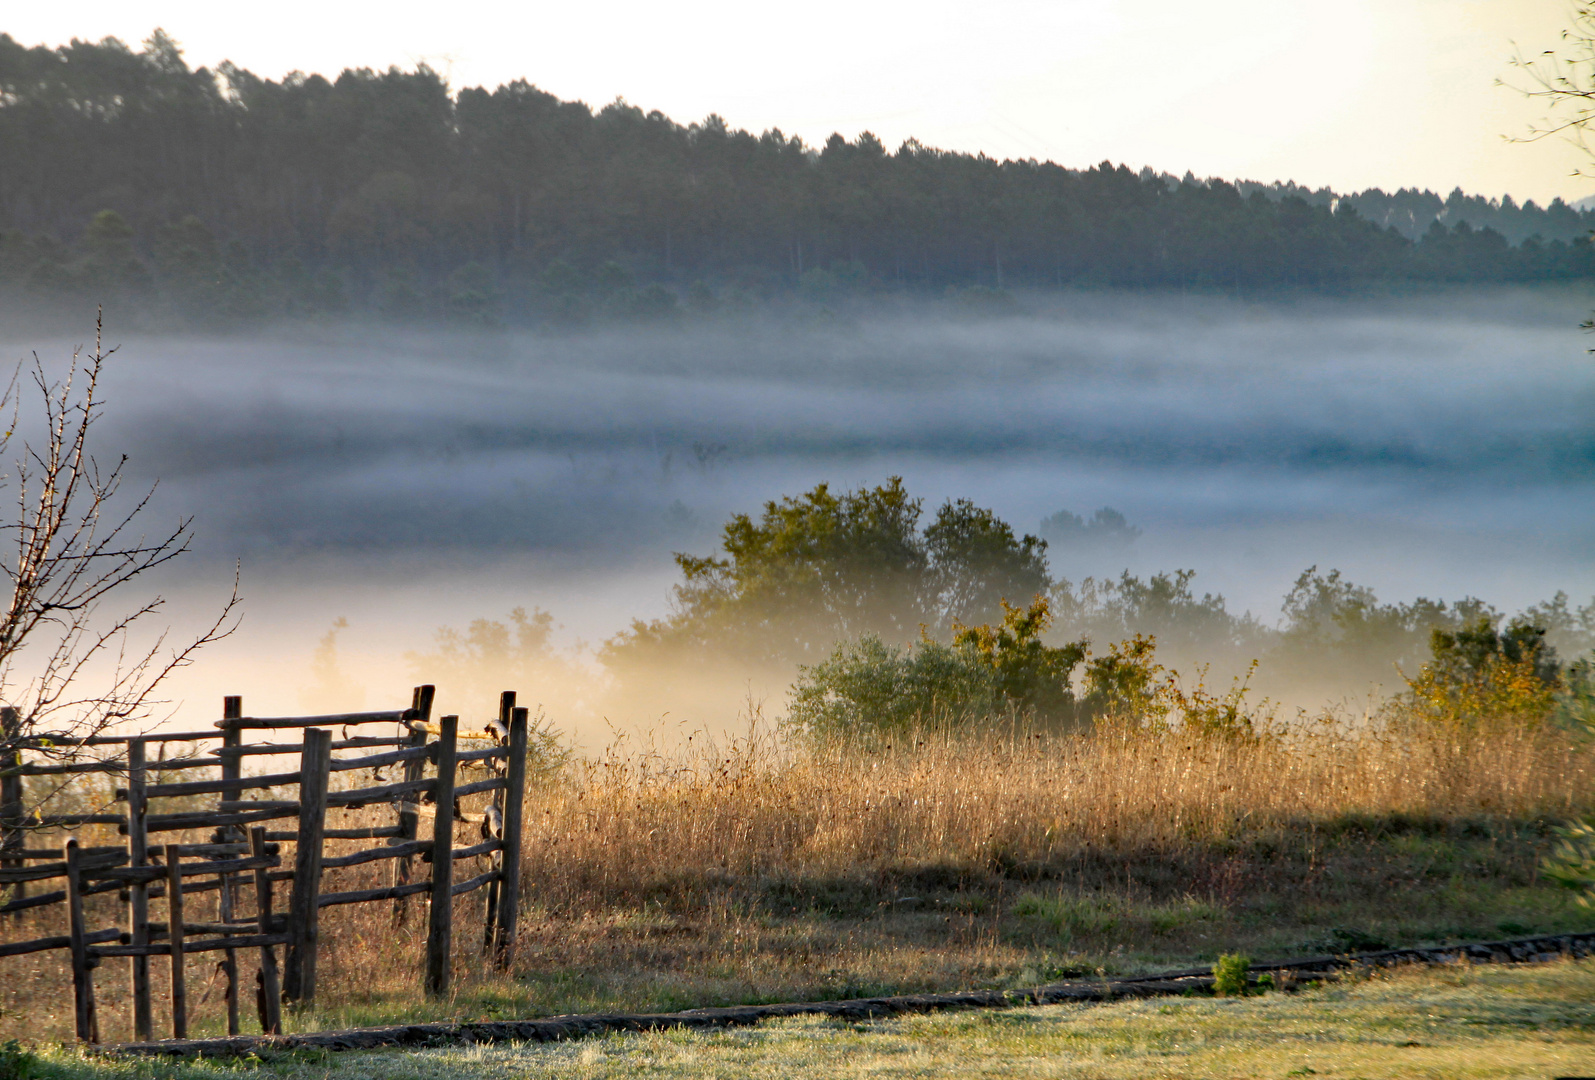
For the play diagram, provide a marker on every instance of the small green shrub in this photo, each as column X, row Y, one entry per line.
column 1229, row 974
column 1127, row 686
column 1572, row 863
column 17, row 1062
column 1030, row 674
column 869, row 686
column 988, row 672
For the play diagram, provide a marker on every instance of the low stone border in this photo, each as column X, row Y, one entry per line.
column 1304, row 969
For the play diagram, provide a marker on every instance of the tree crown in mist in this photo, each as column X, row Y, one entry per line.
column 823, row 568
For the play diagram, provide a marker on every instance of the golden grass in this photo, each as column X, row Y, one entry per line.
column 630, row 824
column 753, row 870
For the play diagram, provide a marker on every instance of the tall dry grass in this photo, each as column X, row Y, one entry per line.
column 638, row 819
column 654, row 875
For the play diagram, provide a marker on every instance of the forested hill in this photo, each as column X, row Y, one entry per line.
column 229, row 194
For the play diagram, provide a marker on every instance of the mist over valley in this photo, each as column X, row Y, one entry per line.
column 1435, row 445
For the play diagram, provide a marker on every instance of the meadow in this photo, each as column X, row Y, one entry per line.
column 764, row 869
column 687, row 861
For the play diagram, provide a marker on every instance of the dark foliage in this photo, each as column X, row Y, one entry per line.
column 823, row 567
column 234, row 196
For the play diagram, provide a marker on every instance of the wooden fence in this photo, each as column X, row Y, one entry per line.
column 243, row 857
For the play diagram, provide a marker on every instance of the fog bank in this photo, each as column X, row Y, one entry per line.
column 1432, row 445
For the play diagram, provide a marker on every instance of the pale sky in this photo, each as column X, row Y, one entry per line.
column 1360, row 93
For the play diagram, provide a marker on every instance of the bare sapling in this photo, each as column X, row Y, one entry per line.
column 70, row 668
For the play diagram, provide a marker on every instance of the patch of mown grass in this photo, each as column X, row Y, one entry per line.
column 1456, row 1021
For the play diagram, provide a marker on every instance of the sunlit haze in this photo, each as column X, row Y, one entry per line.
column 412, row 479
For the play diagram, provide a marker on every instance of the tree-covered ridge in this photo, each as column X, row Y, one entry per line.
column 386, row 190
column 1413, row 212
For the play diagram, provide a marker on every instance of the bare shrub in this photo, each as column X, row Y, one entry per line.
column 69, row 668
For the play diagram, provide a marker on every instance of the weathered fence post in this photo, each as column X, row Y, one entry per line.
column 268, row 999
column 12, row 835
column 440, row 916
column 421, row 705
column 509, row 897
column 139, row 891
column 88, row 1024
column 232, row 769
column 159, row 870
column 506, row 709
column 315, row 767
column 174, row 939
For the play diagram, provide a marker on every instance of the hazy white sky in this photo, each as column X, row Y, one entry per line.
column 1355, row 94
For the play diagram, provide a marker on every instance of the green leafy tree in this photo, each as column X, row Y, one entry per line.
column 978, row 566
column 1480, row 679
column 812, row 569
column 823, row 567
column 1125, row 680
column 1469, row 651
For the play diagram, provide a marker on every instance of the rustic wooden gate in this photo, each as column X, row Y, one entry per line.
column 243, row 858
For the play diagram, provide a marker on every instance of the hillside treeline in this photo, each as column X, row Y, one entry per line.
column 1412, row 212
column 223, row 193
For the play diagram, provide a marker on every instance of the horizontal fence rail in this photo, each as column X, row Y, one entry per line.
column 243, row 859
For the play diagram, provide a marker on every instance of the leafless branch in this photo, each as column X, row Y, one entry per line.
column 1564, row 79
column 68, row 669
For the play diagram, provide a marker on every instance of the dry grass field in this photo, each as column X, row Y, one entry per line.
column 752, row 870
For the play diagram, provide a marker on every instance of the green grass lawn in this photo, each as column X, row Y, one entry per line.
column 1456, row 1021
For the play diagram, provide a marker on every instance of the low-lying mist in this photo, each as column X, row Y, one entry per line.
column 410, row 480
